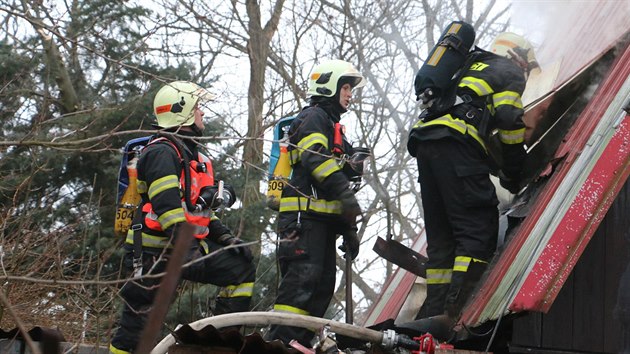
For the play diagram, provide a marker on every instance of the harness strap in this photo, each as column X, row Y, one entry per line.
column 136, row 228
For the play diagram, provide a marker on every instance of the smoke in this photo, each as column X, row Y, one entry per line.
column 570, row 33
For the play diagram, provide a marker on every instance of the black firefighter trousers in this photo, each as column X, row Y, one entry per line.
column 235, row 273
column 461, row 219
column 308, row 269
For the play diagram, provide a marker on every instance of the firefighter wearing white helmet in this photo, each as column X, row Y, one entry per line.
column 516, row 48
column 176, row 184
column 325, row 78
column 317, row 205
column 176, row 103
column 458, row 197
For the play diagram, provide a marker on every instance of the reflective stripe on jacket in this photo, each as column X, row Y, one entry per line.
column 318, row 178
column 160, row 211
column 493, row 83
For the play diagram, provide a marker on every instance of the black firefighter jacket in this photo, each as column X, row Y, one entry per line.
column 493, row 86
column 318, row 177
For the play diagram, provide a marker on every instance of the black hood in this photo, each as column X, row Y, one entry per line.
column 330, row 105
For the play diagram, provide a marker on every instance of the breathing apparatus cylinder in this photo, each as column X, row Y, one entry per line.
column 129, row 201
column 281, row 173
column 444, row 60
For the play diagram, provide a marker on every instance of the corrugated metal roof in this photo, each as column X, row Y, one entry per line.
column 537, row 261
column 568, row 209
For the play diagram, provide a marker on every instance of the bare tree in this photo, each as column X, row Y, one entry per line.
column 79, row 81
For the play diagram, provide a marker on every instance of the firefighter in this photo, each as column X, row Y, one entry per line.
column 459, row 199
column 177, row 186
column 318, row 204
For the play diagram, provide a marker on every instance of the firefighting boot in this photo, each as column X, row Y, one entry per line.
column 440, row 326
column 462, row 286
column 434, row 303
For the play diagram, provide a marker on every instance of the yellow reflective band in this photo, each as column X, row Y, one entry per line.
column 114, row 350
column 437, row 55
column 241, row 290
column 441, row 49
column 310, row 204
column 325, row 169
column 439, row 276
column 172, row 217
column 456, row 124
column 511, row 137
column 507, row 97
column 455, row 28
column 312, row 139
column 290, row 309
column 461, row 263
column 478, row 66
column 162, row 184
column 294, row 156
column 150, row 240
column 479, row 86
column 141, row 187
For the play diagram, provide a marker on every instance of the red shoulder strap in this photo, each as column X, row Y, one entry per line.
column 338, row 139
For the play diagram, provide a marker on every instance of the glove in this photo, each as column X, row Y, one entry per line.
column 229, row 240
column 511, row 184
column 350, row 208
column 350, row 245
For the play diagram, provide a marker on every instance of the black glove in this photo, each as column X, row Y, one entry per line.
column 350, row 208
column 511, row 184
column 229, row 240
column 350, row 245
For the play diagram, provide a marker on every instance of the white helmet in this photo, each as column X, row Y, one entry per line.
column 515, row 47
column 174, row 103
column 324, row 80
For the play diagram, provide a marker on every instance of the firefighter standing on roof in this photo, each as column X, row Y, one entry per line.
column 176, row 184
column 459, row 199
column 317, row 205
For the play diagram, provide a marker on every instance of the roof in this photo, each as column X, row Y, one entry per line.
column 567, row 211
column 586, row 169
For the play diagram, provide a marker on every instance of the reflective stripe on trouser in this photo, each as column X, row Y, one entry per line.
column 438, row 283
column 308, row 269
column 460, row 210
column 244, row 289
column 234, row 298
column 222, row 269
column 463, row 283
column 114, row 350
column 289, row 309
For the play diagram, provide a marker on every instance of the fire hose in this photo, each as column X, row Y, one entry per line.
column 388, row 339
